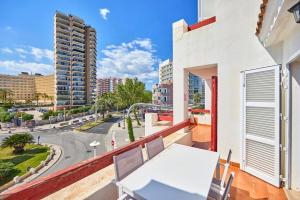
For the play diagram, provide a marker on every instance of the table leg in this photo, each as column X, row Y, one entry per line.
column 218, row 170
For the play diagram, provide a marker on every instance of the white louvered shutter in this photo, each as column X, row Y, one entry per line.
column 261, row 123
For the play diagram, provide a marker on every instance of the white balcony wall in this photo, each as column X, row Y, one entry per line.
column 231, row 44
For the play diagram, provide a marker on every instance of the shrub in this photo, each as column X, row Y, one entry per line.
column 6, row 117
column 17, row 141
column 6, row 169
column 27, row 117
column 130, row 129
column 46, row 115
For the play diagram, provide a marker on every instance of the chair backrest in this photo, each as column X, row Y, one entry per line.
column 226, row 166
column 229, row 156
column 154, row 147
column 127, row 162
column 228, row 186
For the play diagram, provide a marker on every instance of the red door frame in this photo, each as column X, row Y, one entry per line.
column 214, row 113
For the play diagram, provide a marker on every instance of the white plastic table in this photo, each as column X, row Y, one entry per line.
column 179, row 172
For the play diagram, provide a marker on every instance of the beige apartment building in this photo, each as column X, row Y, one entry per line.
column 21, row 86
column 24, row 86
column 45, row 85
column 75, row 61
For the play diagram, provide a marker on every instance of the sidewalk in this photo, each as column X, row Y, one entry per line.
column 43, row 127
column 121, row 135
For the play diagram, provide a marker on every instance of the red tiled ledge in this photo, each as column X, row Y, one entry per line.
column 202, row 23
column 45, row 186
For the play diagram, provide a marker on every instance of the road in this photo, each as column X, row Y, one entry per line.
column 75, row 146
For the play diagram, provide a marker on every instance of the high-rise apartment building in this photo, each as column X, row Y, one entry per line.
column 165, row 71
column 75, row 61
column 195, row 86
column 105, row 85
column 166, row 76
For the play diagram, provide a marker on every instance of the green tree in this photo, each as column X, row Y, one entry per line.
column 17, row 141
column 27, row 117
column 131, row 92
column 197, row 98
column 5, row 116
column 147, row 96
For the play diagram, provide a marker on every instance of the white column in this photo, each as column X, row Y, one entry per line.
column 180, row 95
column 207, row 94
column 180, row 75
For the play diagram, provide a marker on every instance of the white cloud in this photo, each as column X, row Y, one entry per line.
column 22, row 66
column 22, row 52
column 132, row 59
column 36, row 53
column 41, row 53
column 8, row 28
column 6, row 50
column 104, row 12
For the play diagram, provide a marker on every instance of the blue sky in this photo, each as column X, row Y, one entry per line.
column 133, row 36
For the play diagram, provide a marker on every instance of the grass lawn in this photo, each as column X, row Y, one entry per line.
column 89, row 125
column 31, row 157
column 92, row 124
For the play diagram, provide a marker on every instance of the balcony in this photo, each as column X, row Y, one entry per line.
column 93, row 178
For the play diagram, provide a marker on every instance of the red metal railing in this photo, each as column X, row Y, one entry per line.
column 197, row 111
column 202, row 23
column 45, row 186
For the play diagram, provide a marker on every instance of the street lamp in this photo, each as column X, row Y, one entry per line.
column 94, row 144
column 295, row 9
column 64, row 113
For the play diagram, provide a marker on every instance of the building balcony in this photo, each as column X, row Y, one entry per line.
column 64, row 21
column 63, row 31
column 78, row 29
column 94, row 178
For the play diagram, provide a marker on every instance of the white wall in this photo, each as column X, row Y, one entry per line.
column 295, row 72
column 231, row 44
column 206, row 9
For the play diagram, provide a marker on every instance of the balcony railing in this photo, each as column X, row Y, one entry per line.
column 45, row 186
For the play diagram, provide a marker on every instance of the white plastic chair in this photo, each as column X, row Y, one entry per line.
column 221, row 194
column 154, row 147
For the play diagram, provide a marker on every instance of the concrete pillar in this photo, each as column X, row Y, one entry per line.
column 150, row 121
column 207, row 94
column 180, row 76
column 180, row 95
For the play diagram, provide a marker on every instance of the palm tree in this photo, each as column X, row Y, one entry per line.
column 51, row 98
column 105, row 103
column 37, row 97
column 17, row 141
column 197, row 98
column 45, row 96
column 4, row 94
